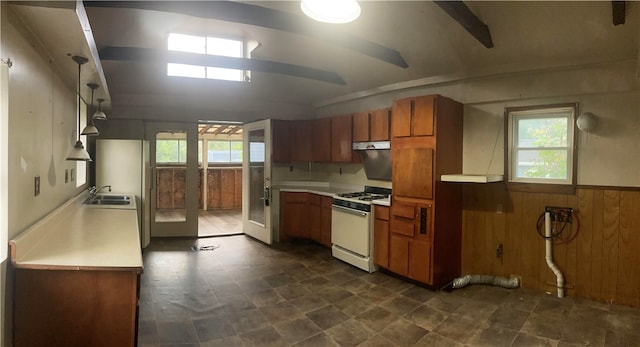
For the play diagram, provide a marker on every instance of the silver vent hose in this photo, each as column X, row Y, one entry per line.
column 510, row 283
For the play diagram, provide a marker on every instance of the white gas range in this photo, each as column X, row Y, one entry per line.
column 352, row 226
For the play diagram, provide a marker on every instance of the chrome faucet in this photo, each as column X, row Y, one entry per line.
column 93, row 191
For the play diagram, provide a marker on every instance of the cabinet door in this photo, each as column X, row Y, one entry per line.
column 314, row 215
column 361, row 127
column 419, row 261
column 301, row 141
column 422, row 117
column 321, row 140
column 281, row 141
column 325, row 221
column 294, row 214
column 413, row 172
column 399, row 254
column 381, row 242
column 341, row 140
column 379, row 125
column 401, row 120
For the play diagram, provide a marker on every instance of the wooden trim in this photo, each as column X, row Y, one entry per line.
column 469, row 21
column 540, row 187
column 618, row 12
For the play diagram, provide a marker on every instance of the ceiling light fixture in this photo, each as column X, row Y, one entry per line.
column 99, row 115
column 331, row 11
column 78, row 153
column 90, row 129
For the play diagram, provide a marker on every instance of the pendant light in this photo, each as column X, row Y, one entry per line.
column 331, row 11
column 90, row 129
column 99, row 115
column 78, row 153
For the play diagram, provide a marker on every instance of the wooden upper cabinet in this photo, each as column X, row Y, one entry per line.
column 281, row 141
column 412, row 171
column 341, row 139
column 321, row 140
column 422, row 117
column 301, row 140
column 413, row 117
column 379, row 125
column 371, row 126
column 401, row 121
column 361, row 127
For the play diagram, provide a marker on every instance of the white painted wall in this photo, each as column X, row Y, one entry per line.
column 42, row 124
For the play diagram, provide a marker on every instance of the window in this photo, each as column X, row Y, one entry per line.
column 224, row 152
column 540, row 144
column 173, row 151
column 210, row 46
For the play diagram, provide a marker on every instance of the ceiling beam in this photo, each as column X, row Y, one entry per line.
column 152, row 55
column 237, row 12
column 469, row 21
column 618, row 12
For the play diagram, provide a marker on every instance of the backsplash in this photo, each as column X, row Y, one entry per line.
column 335, row 173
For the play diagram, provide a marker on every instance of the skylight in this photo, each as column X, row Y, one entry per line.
column 206, row 45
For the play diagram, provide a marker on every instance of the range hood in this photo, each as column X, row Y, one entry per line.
column 376, row 159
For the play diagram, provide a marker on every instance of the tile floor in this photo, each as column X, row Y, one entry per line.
column 244, row 293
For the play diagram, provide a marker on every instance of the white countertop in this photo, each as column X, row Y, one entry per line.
column 79, row 237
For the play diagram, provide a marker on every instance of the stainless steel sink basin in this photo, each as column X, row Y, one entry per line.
column 113, row 197
column 117, row 200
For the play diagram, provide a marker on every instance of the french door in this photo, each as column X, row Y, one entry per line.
column 174, row 181
column 256, row 180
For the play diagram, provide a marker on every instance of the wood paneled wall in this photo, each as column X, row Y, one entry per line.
column 601, row 263
column 224, row 189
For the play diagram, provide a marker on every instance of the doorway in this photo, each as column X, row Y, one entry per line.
column 220, row 170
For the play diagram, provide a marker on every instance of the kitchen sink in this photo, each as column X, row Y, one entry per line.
column 109, row 200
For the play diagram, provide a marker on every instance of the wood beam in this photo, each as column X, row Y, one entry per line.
column 151, row 55
column 236, row 12
column 469, row 21
column 618, row 12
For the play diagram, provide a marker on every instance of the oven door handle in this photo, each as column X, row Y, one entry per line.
column 350, row 211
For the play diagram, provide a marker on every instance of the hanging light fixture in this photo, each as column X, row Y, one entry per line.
column 78, row 152
column 331, row 11
column 90, row 129
column 99, row 115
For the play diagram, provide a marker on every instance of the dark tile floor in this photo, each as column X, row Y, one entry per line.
column 244, row 293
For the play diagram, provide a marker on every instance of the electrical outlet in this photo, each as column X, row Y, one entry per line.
column 36, row 186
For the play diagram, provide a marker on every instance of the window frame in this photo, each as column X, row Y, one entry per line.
column 511, row 115
column 210, row 72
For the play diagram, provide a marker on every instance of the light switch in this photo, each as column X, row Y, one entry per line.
column 66, row 176
column 36, row 186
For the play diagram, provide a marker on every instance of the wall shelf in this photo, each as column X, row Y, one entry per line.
column 467, row 178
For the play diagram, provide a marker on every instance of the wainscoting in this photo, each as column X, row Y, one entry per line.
column 601, row 263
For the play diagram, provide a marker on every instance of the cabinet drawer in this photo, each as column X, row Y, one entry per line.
column 295, row 197
column 404, row 211
column 381, row 212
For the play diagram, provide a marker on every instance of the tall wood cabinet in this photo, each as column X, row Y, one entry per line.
column 426, row 215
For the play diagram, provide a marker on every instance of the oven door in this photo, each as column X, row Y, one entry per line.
column 350, row 230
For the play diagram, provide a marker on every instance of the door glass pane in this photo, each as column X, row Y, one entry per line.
column 256, row 176
column 171, row 173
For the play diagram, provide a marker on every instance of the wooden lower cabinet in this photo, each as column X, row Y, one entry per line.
column 294, row 214
column 381, row 236
column 410, row 258
column 75, row 308
column 306, row 216
column 314, row 217
column 325, row 220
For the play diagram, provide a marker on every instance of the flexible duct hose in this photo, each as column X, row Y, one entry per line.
column 504, row 282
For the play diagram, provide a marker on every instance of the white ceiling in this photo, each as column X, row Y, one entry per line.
column 526, row 36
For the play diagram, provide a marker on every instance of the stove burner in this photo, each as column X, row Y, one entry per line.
column 363, row 196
